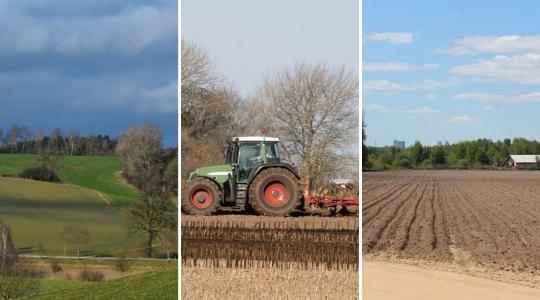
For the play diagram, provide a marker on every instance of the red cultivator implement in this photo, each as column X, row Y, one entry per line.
column 314, row 202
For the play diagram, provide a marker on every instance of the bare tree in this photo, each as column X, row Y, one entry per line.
column 150, row 215
column 170, row 175
column 207, row 102
column 11, row 285
column 168, row 235
column 2, row 139
column 39, row 135
column 8, row 255
column 209, row 109
column 198, row 71
column 76, row 235
column 56, row 140
column 13, row 134
column 24, row 135
column 314, row 109
column 140, row 148
column 72, row 141
column 50, row 159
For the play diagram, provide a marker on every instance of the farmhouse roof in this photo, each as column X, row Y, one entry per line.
column 529, row 158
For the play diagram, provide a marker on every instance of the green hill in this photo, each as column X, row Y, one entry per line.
column 37, row 211
column 100, row 173
column 150, row 285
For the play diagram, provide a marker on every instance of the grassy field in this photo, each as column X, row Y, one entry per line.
column 100, row 173
column 37, row 211
column 50, row 285
column 149, row 285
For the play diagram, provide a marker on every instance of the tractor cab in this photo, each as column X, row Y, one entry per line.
column 245, row 153
column 252, row 174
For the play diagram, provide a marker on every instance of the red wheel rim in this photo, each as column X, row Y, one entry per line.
column 276, row 194
column 202, row 199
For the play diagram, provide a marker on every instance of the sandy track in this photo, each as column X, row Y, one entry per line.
column 267, row 283
column 472, row 218
column 389, row 281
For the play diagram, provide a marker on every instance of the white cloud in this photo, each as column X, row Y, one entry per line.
column 500, row 98
column 522, row 69
column 397, row 67
column 379, row 108
column 381, row 85
column 389, row 86
column 488, row 107
column 429, row 84
column 431, row 97
column 461, row 119
column 493, row 44
column 421, row 111
column 392, row 37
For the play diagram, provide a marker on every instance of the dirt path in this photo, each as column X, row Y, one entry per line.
column 390, row 281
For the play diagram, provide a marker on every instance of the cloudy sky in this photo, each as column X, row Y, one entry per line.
column 94, row 66
column 250, row 38
column 450, row 70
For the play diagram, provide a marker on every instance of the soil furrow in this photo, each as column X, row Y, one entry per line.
column 485, row 218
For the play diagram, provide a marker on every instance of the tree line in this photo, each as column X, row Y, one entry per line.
column 21, row 140
column 480, row 153
column 311, row 107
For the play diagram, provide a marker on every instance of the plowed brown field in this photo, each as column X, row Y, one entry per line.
column 483, row 218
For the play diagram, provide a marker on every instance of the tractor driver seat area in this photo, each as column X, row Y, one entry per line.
column 248, row 157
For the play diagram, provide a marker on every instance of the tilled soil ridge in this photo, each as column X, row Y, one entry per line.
column 472, row 218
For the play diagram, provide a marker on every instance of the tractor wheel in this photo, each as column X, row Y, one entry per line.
column 202, row 197
column 274, row 192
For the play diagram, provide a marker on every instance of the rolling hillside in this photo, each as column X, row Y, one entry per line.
column 150, row 285
column 100, row 173
column 37, row 211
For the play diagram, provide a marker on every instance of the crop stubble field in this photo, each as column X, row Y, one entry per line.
column 486, row 219
column 278, row 257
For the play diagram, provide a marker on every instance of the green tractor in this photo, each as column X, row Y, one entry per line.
column 253, row 176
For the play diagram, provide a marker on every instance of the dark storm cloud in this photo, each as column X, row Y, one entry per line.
column 68, row 61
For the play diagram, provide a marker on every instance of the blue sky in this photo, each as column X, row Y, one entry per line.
column 450, row 70
column 94, row 66
column 251, row 38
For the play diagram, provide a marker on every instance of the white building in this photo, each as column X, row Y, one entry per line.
column 520, row 160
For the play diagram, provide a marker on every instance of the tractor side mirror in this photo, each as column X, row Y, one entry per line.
column 225, row 152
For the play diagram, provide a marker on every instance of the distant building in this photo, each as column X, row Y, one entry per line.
column 399, row 144
column 521, row 160
column 342, row 182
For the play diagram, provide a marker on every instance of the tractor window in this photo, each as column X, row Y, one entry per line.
column 249, row 156
column 271, row 151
